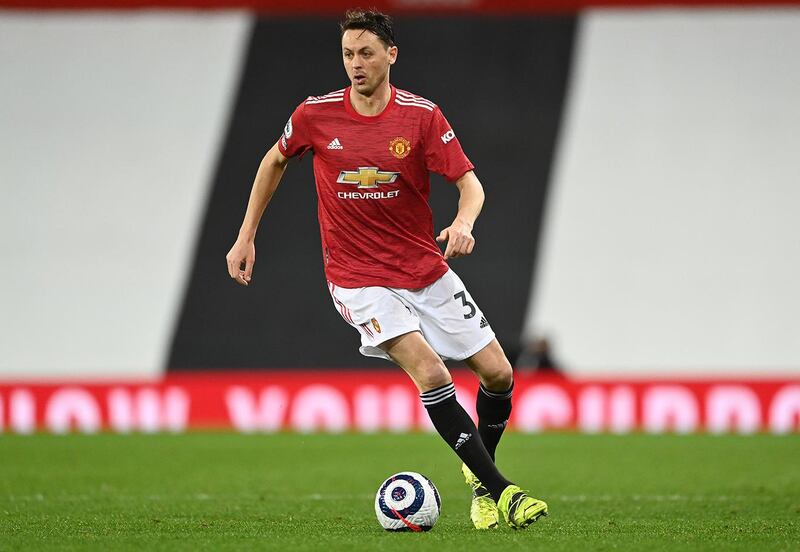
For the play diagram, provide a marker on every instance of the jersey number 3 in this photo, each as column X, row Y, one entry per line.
column 463, row 296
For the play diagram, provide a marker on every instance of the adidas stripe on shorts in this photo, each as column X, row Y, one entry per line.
column 444, row 312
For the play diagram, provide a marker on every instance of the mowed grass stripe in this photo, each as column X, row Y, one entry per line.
column 224, row 491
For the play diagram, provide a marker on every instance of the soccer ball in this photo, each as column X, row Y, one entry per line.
column 407, row 501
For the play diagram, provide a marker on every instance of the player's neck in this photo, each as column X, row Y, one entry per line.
column 373, row 105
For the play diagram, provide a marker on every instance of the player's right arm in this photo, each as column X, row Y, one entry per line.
column 242, row 255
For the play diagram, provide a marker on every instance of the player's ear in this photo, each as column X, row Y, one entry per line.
column 392, row 54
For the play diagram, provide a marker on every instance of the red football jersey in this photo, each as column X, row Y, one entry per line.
column 373, row 184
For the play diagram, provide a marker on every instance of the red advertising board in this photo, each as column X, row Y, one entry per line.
column 366, row 401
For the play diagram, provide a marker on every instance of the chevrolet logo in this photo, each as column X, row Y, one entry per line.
column 367, row 177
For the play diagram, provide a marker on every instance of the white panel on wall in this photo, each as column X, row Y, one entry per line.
column 109, row 131
column 672, row 238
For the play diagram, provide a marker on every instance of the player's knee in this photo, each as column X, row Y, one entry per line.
column 432, row 375
column 499, row 377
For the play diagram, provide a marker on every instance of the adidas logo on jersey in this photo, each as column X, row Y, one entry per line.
column 335, row 144
column 484, row 323
column 463, row 438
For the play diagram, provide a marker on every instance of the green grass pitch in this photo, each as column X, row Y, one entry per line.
column 224, row 491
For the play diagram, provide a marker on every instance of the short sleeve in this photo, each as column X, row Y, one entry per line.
column 295, row 139
column 443, row 153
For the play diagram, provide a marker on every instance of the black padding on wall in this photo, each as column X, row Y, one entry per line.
column 501, row 83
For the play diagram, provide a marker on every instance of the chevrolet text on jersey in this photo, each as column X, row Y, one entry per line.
column 368, row 195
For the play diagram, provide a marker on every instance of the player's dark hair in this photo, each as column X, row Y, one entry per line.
column 373, row 21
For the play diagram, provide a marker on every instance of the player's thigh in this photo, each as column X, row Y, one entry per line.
column 414, row 355
column 377, row 313
column 492, row 367
column 450, row 318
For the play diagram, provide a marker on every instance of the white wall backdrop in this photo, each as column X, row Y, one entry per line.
column 109, row 131
column 672, row 237
column 672, row 240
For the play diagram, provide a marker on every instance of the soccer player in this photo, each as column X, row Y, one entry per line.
column 374, row 146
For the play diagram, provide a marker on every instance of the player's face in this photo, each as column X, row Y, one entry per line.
column 366, row 59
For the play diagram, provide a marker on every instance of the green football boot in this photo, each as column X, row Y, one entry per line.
column 483, row 510
column 519, row 509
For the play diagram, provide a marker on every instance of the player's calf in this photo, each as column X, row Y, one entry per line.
column 459, row 431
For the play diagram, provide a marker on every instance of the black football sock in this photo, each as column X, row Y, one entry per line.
column 494, row 408
column 457, row 429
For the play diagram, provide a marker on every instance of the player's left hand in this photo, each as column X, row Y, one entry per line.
column 459, row 239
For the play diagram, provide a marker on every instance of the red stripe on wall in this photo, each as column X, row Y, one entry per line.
column 389, row 6
column 306, row 400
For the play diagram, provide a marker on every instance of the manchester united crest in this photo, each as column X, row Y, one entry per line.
column 376, row 325
column 400, row 147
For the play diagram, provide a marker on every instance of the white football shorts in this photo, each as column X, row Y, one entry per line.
column 444, row 312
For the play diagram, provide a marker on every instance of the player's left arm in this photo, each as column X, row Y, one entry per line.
column 458, row 235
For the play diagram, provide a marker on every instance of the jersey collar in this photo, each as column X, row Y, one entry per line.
column 368, row 118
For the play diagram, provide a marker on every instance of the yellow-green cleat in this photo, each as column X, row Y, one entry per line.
column 483, row 510
column 519, row 509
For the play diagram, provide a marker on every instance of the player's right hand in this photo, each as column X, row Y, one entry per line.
column 241, row 259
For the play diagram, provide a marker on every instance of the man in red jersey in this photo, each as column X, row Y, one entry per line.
column 374, row 147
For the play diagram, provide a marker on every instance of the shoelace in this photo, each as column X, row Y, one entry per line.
column 518, row 497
